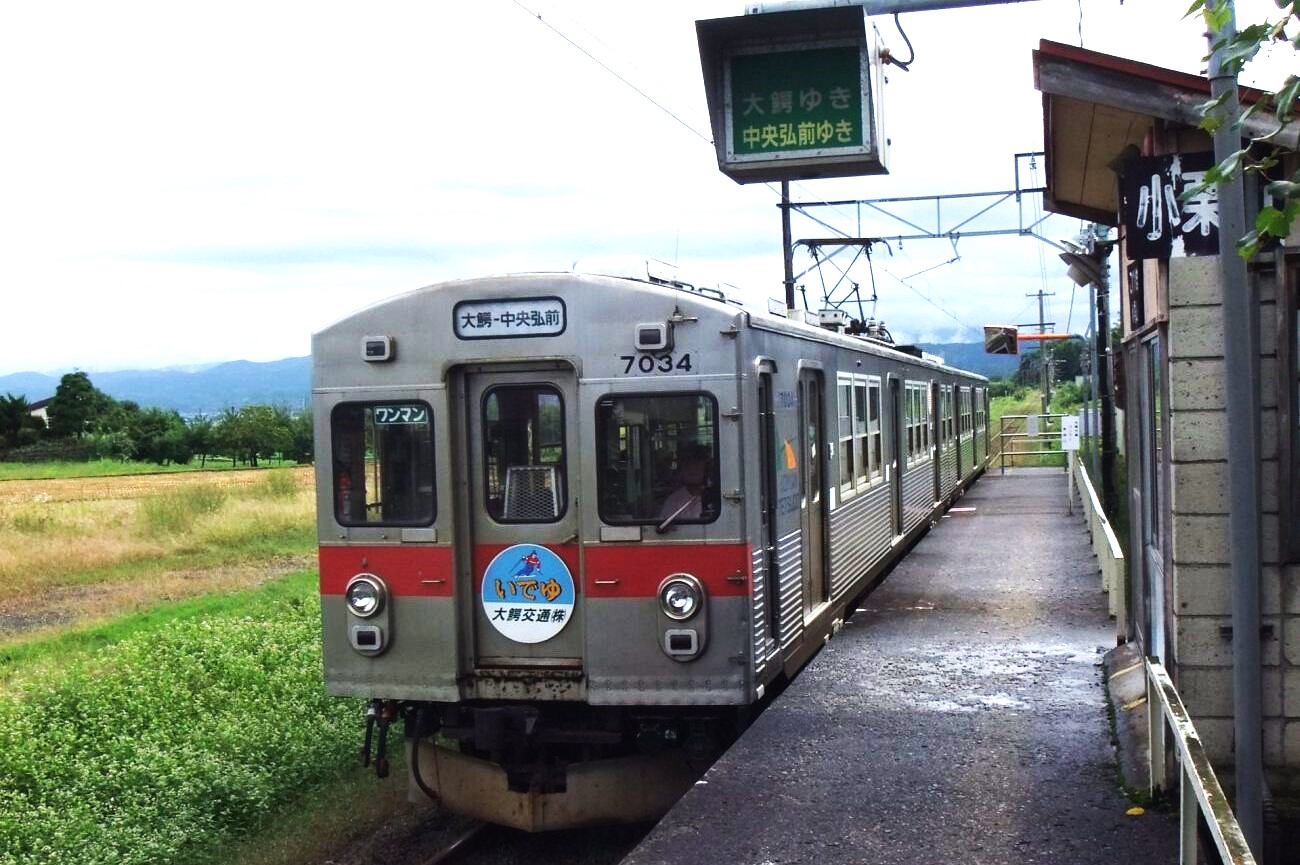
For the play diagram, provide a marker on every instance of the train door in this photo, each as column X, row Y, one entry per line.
column 958, row 412
column 936, row 439
column 813, row 500
column 896, row 426
column 767, row 497
column 520, row 570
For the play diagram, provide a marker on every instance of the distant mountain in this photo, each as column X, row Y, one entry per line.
column 970, row 356
column 288, row 382
column 206, row 391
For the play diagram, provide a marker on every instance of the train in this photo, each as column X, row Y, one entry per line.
column 574, row 528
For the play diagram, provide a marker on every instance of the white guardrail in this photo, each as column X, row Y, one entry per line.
column 1110, row 556
column 1199, row 790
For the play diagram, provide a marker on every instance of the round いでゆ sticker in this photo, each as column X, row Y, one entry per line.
column 528, row 593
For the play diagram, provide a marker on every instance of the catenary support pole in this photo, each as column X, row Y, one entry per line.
column 1241, row 386
column 1105, row 391
column 1092, row 413
column 787, row 244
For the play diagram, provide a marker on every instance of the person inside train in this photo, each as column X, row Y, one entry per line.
column 687, row 501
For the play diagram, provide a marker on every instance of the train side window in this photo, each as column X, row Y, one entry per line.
column 873, row 425
column 863, row 469
column 382, row 463
column 845, row 409
column 523, row 454
column 656, row 456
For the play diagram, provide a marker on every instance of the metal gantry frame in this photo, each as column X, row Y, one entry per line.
column 953, row 231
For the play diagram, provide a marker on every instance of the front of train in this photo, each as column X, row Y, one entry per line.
column 532, row 540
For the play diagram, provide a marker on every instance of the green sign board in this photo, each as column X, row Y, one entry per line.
column 794, row 95
column 795, row 101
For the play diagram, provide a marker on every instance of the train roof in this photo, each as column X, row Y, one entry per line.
column 698, row 299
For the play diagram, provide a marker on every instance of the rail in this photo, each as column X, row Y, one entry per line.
column 1200, row 795
column 1110, row 555
column 1039, row 429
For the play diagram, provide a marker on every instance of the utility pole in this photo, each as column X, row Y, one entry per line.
column 1241, row 375
column 1042, row 347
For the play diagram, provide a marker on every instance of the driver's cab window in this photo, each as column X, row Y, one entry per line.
column 657, row 458
column 383, row 463
column 523, row 454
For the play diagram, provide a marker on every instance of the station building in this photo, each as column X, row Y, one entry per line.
column 1122, row 143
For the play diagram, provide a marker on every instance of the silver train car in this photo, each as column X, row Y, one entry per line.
column 574, row 528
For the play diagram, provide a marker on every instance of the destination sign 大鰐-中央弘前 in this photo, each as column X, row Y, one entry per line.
column 517, row 317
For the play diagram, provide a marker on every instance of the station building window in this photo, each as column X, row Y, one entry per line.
column 382, row 456
column 656, row 456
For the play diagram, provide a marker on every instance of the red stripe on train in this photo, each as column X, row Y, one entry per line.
column 613, row 570
column 724, row 569
column 425, row 571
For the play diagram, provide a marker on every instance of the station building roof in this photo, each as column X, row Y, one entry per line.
column 1098, row 108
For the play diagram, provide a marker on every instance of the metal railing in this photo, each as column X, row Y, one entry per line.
column 1199, row 792
column 1110, row 555
column 1038, row 430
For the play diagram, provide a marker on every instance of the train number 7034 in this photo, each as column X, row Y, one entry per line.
column 655, row 363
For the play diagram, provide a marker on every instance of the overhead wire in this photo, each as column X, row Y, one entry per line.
column 708, row 140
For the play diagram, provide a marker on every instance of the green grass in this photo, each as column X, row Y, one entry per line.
column 109, row 468
column 163, row 736
column 42, row 655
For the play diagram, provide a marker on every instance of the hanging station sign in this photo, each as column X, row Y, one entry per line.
column 1157, row 222
column 794, row 95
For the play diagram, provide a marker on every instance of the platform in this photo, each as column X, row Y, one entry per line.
column 959, row 717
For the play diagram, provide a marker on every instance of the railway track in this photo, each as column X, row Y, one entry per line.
column 446, row 840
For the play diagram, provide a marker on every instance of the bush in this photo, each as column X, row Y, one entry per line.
column 1067, row 398
column 278, row 484
column 111, row 446
column 170, row 741
column 175, row 511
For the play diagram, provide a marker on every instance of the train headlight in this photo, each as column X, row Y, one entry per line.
column 365, row 595
column 681, row 596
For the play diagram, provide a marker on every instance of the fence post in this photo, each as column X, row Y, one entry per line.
column 1155, row 734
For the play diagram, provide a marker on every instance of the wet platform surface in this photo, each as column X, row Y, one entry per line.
column 959, row 717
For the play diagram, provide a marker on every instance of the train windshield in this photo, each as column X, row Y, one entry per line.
column 383, row 463
column 657, row 458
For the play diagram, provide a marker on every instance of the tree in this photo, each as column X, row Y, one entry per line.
column 301, row 447
column 76, row 405
column 13, row 412
column 200, row 438
column 252, row 431
column 159, row 436
column 1260, row 155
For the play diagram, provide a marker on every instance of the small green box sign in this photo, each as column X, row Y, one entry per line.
column 795, row 101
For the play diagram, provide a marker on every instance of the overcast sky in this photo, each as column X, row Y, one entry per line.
column 189, row 183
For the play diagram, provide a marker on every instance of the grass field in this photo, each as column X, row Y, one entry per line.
column 74, row 551
column 1029, row 403
column 109, row 468
column 161, row 698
